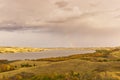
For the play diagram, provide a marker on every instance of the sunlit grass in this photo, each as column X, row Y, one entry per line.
column 101, row 65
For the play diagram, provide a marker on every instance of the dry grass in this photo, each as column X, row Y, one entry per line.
column 103, row 64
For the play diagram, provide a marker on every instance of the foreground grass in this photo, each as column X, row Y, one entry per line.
column 101, row 65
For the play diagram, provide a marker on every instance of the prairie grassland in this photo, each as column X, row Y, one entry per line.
column 19, row 49
column 30, row 49
column 101, row 65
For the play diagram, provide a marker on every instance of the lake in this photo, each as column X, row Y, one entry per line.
column 43, row 54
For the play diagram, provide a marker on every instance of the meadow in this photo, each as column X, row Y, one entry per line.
column 104, row 64
column 5, row 50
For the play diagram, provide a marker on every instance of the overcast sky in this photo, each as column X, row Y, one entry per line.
column 60, row 23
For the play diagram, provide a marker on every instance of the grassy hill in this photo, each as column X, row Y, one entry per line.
column 19, row 49
column 101, row 65
column 30, row 49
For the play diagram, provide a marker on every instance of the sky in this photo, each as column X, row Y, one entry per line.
column 60, row 23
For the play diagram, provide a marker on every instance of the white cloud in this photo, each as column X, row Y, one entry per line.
column 86, row 22
column 63, row 14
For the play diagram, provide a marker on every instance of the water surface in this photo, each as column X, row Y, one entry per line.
column 43, row 54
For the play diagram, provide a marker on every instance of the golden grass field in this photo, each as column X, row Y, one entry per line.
column 101, row 65
column 19, row 49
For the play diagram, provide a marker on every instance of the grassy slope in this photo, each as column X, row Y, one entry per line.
column 29, row 49
column 19, row 49
column 76, row 65
column 105, row 63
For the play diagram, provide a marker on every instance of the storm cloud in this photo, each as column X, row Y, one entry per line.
column 82, row 20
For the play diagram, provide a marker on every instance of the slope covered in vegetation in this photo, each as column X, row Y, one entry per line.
column 19, row 49
column 101, row 65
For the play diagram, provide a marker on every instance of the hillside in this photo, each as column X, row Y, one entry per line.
column 19, row 49
column 101, row 65
column 30, row 49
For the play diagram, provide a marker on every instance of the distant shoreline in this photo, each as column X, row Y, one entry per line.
column 7, row 50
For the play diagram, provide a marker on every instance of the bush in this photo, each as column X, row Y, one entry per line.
column 26, row 65
column 6, row 67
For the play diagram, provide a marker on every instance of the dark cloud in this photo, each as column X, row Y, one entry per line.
column 65, row 19
column 61, row 4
